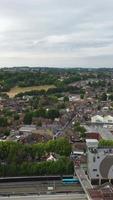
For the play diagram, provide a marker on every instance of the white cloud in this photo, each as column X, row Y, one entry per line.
column 56, row 32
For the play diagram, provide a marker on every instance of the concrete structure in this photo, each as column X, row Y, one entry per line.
column 92, row 143
column 100, row 162
column 85, row 183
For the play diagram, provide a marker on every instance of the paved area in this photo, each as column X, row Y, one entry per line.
column 86, row 185
column 39, row 187
column 48, row 197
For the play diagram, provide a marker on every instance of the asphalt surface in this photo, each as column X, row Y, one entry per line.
column 48, row 197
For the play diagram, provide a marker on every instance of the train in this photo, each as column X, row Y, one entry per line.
column 33, row 178
column 70, row 180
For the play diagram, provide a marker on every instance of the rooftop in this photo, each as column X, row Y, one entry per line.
column 104, row 192
column 27, row 128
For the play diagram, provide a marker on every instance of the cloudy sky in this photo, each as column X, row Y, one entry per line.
column 67, row 33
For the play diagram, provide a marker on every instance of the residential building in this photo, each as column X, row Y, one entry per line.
column 97, row 119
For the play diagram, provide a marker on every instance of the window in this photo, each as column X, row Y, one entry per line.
column 94, row 159
column 98, row 157
column 94, row 170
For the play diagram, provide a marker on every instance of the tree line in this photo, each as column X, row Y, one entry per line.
column 62, row 166
column 56, row 91
column 24, row 79
column 41, row 112
column 18, row 159
column 105, row 143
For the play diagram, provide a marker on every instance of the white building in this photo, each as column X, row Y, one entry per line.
column 51, row 158
column 100, row 162
column 73, row 98
column 27, row 129
column 108, row 119
column 97, row 119
column 100, row 119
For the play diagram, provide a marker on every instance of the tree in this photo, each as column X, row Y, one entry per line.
column 105, row 143
column 104, row 97
column 16, row 116
column 22, row 160
column 82, row 96
column 28, row 118
column 66, row 99
column 52, row 114
column 41, row 112
column 111, row 97
column 3, row 122
column 7, row 132
column 63, row 147
column 61, row 106
column 80, row 129
column 82, row 132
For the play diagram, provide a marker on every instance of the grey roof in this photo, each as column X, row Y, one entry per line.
column 27, row 128
column 104, row 132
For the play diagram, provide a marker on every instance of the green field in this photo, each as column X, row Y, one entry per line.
column 16, row 90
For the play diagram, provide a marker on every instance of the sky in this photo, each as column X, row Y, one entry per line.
column 56, row 33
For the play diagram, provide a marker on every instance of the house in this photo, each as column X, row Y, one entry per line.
column 100, row 119
column 51, row 158
column 97, row 119
column 73, row 98
column 108, row 119
column 92, row 132
column 27, row 129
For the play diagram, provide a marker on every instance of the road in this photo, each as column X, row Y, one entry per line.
column 67, row 125
column 48, row 197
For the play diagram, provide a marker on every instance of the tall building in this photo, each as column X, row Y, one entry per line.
column 100, row 162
